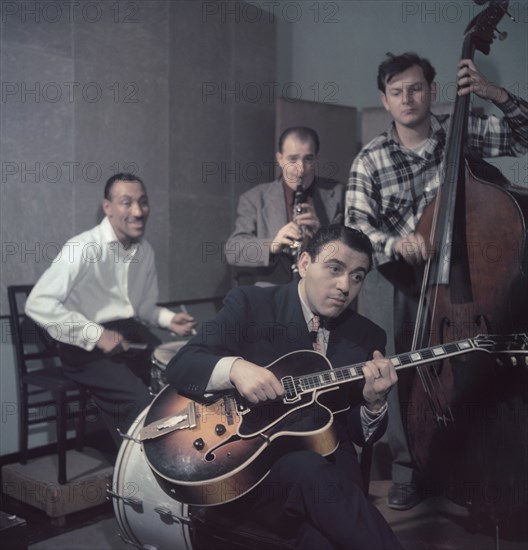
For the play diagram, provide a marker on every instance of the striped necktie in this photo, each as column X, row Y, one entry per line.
column 315, row 325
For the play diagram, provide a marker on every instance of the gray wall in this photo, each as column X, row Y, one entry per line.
column 90, row 88
column 168, row 89
column 140, row 86
column 221, row 130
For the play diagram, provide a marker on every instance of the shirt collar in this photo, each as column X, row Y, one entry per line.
column 307, row 313
column 435, row 134
column 108, row 232
column 109, row 236
column 326, row 324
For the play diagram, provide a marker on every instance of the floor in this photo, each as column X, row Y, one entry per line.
column 435, row 524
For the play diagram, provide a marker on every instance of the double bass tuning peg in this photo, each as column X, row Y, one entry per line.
column 502, row 35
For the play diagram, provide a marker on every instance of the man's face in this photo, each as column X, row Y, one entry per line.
column 128, row 210
column 408, row 97
column 297, row 160
column 332, row 281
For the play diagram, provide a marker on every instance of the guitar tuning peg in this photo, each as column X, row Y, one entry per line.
column 513, row 360
column 502, row 35
column 499, row 362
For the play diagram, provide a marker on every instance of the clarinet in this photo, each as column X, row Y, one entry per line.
column 296, row 246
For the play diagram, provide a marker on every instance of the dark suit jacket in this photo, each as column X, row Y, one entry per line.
column 261, row 212
column 260, row 324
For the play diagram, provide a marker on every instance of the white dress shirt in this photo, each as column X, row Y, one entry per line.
column 94, row 280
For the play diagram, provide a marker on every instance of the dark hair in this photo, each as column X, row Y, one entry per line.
column 122, row 176
column 303, row 133
column 353, row 238
column 397, row 64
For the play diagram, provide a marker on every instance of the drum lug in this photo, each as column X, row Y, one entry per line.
column 127, row 437
column 166, row 513
column 134, row 502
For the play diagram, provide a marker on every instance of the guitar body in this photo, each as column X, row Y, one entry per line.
column 230, row 447
column 214, row 452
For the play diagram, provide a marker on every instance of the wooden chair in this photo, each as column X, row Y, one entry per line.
column 42, row 386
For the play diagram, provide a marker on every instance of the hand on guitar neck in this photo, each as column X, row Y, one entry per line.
column 380, row 376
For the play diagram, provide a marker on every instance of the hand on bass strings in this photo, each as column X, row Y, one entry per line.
column 471, row 80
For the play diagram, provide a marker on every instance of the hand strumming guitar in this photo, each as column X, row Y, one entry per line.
column 255, row 383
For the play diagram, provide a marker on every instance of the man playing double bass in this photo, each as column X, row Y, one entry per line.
column 392, row 180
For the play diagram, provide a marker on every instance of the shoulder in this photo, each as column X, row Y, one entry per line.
column 365, row 330
column 260, row 189
column 146, row 247
column 90, row 235
column 254, row 293
column 87, row 244
column 376, row 144
column 374, row 154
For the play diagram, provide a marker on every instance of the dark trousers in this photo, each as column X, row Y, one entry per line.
column 320, row 501
column 117, row 383
column 389, row 298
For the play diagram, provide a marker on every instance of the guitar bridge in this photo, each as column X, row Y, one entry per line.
column 185, row 419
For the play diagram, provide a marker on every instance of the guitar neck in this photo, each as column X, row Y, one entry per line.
column 340, row 375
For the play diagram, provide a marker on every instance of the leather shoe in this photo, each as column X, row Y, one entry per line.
column 403, row 496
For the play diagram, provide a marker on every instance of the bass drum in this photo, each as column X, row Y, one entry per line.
column 147, row 516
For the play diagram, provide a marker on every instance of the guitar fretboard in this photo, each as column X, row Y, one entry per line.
column 354, row 372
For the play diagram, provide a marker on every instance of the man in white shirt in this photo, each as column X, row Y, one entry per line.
column 94, row 299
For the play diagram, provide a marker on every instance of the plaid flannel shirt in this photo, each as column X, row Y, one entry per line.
column 389, row 185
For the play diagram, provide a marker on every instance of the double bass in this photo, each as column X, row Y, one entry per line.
column 467, row 418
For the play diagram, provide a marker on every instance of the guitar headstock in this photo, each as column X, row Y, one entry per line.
column 510, row 344
column 481, row 29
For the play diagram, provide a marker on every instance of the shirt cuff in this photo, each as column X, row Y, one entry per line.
column 220, row 376
column 165, row 317
column 370, row 420
column 510, row 106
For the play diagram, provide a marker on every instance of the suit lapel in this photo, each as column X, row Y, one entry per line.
column 342, row 346
column 290, row 317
